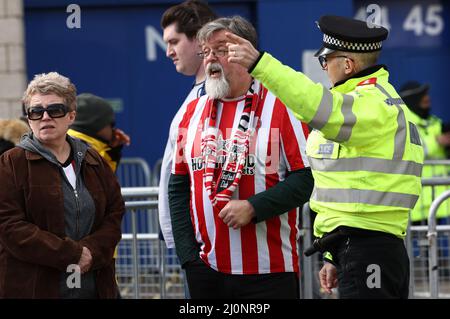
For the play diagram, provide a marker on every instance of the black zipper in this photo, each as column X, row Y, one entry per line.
column 78, row 214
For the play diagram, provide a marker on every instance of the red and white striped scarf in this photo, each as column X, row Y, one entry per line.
column 220, row 193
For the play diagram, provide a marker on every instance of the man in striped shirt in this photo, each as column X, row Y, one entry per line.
column 239, row 173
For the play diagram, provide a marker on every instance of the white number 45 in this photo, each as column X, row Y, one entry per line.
column 432, row 23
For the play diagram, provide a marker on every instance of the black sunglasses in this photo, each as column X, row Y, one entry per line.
column 53, row 110
column 323, row 59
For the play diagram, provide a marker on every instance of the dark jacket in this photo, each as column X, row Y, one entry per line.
column 34, row 247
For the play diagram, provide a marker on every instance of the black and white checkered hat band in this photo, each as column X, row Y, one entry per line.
column 351, row 46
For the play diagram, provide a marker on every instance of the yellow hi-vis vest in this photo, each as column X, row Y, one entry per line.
column 429, row 130
column 365, row 152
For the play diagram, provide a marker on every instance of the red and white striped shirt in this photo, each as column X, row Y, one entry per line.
column 277, row 148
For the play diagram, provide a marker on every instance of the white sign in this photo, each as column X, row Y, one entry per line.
column 153, row 39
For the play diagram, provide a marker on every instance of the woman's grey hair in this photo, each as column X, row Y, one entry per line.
column 235, row 24
column 51, row 83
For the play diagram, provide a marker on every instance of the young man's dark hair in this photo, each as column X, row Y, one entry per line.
column 190, row 16
column 180, row 24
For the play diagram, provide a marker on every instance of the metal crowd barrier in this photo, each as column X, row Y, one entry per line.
column 433, row 266
column 419, row 248
column 438, row 163
column 144, row 263
column 156, row 172
column 141, row 219
column 134, row 172
column 138, row 198
column 145, row 268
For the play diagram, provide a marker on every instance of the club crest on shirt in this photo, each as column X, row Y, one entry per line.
column 225, row 148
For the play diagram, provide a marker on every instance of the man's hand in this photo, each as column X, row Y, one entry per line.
column 120, row 138
column 237, row 213
column 85, row 261
column 328, row 277
column 241, row 51
column 444, row 139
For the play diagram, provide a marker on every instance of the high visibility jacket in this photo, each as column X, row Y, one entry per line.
column 365, row 151
column 99, row 146
column 429, row 130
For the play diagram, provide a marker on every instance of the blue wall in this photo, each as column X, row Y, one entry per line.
column 108, row 55
column 286, row 28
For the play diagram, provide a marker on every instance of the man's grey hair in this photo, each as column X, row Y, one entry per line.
column 235, row 24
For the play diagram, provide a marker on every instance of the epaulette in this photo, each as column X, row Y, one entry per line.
column 370, row 81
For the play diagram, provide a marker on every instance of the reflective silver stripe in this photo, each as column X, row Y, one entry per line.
column 400, row 135
column 396, row 101
column 349, row 119
column 366, row 164
column 323, row 111
column 345, row 195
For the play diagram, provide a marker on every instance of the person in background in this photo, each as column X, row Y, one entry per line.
column 180, row 24
column 431, row 129
column 435, row 142
column 10, row 133
column 95, row 124
column 60, row 205
column 416, row 97
column 446, row 130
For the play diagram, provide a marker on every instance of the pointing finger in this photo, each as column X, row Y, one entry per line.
column 234, row 38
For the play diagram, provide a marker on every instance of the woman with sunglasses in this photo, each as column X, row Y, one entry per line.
column 60, row 205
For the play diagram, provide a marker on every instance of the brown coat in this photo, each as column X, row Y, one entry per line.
column 34, row 250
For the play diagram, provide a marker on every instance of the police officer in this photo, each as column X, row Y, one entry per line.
column 365, row 153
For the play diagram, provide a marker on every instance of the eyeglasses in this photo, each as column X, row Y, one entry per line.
column 217, row 53
column 53, row 110
column 323, row 59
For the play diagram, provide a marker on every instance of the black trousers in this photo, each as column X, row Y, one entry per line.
column 206, row 283
column 371, row 265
